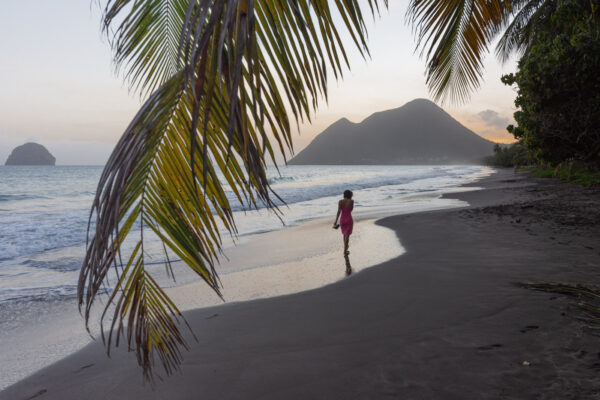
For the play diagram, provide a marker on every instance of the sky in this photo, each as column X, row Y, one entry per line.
column 59, row 87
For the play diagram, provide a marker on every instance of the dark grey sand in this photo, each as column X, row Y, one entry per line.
column 443, row 321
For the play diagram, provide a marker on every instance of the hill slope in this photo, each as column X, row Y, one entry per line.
column 419, row 132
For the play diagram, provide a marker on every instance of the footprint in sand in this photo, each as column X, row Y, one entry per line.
column 41, row 392
column 595, row 366
column 489, row 347
column 529, row 328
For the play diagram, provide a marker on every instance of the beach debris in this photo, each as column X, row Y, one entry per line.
column 526, row 363
column 529, row 328
column 490, row 347
column 41, row 392
column 84, row 367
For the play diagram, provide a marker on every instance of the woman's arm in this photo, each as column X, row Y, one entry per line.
column 352, row 206
column 338, row 212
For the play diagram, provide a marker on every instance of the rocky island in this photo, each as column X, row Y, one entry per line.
column 30, row 154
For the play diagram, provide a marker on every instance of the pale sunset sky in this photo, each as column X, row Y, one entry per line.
column 58, row 86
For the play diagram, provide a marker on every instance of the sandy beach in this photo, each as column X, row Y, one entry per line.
column 259, row 266
column 447, row 319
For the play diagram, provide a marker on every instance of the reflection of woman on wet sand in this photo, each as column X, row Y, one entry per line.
column 345, row 207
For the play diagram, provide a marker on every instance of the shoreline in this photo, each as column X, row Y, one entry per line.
column 260, row 266
column 444, row 320
column 290, row 271
column 284, row 271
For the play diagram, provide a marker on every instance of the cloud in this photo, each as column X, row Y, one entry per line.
column 492, row 118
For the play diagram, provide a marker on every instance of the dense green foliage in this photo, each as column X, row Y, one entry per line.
column 559, row 86
column 509, row 156
column 518, row 155
column 573, row 172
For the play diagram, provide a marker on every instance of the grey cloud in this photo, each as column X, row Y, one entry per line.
column 492, row 118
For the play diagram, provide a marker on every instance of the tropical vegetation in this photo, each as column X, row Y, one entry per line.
column 578, row 174
column 558, row 87
column 513, row 155
column 224, row 81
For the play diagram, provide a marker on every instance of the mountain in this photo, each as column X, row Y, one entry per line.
column 419, row 132
column 30, row 154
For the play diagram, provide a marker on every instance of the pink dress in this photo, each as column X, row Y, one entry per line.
column 346, row 222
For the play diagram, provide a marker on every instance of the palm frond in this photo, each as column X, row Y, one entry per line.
column 519, row 34
column 146, row 41
column 454, row 36
column 217, row 117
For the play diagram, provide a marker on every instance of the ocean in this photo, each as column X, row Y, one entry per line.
column 44, row 213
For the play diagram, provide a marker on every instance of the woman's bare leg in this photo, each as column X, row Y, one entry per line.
column 346, row 243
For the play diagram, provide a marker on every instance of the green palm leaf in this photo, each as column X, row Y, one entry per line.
column 146, row 40
column 519, row 34
column 227, row 72
column 454, row 37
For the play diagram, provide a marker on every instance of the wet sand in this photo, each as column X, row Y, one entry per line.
column 265, row 265
column 445, row 320
column 292, row 260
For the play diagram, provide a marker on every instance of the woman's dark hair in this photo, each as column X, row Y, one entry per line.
column 347, row 194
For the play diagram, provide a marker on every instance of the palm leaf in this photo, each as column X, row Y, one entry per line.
column 226, row 73
column 454, row 36
column 519, row 34
column 146, row 40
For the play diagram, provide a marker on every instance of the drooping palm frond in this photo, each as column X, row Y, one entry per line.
column 218, row 114
column 146, row 40
column 519, row 34
column 454, row 36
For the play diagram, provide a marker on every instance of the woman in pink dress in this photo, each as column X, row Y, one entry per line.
column 345, row 207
